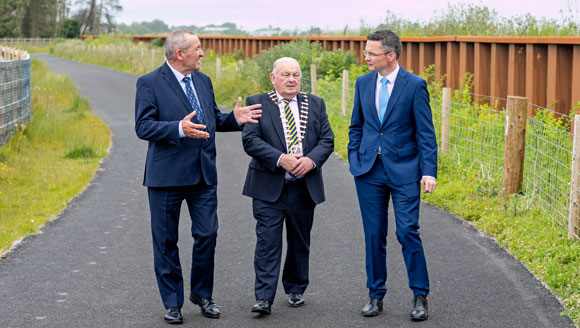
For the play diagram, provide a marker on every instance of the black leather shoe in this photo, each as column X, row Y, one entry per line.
column 173, row 316
column 295, row 300
column 262, row 307
column 420, row 309
column 373, row 308
column 206, row 305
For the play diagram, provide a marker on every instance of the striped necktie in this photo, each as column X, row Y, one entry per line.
column 291, row 126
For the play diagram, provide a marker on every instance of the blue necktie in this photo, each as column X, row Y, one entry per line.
column 193, row 100
column 383, row 98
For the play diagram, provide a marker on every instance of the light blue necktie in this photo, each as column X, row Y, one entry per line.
column 193, row 100
column 383, row 98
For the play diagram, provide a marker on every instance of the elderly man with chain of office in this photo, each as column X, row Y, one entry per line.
column 288, row 148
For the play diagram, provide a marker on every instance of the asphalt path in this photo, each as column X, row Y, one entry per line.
column 93, row 265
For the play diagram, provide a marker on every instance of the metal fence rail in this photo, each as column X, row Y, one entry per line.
column 14, row 91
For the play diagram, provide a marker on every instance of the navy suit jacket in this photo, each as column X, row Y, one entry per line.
column 406, row 136
column 160, row 104
column 265, row 143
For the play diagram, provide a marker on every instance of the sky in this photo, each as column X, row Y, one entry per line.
column 303, row 14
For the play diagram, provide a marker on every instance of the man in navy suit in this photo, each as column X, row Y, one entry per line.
column 181, row 166
column 392, row 153
column 288, row 149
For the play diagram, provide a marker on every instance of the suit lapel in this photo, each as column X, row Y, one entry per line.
column 176, row 87
column 400, row 84
column 371, row 90
column 276, row 120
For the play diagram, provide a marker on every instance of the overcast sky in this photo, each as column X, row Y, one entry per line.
column 303, row 14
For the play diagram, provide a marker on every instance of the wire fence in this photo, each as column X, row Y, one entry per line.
column 14, row 91
column 477, row 135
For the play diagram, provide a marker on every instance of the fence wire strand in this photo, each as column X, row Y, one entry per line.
column 14, row 96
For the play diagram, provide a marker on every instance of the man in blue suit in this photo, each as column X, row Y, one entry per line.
column 181, row 165
column 392, row 153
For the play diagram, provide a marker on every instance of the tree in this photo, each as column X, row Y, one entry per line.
column 11, row 13
column 72, row 29
column 97, row 16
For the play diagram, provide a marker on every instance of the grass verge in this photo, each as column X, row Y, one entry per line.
column 513, row 221
column 52, row 159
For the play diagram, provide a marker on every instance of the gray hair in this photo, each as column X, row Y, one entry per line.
column 176, row 40
column 284, row 59
column 390, row 41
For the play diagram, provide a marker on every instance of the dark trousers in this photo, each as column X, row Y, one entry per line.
column 165, row 206
column 296, row 208
column 374, row 190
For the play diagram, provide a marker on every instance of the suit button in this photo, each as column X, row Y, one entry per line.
column 381, row 133
column 376, row 150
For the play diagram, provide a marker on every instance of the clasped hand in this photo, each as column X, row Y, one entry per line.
column 296, row 164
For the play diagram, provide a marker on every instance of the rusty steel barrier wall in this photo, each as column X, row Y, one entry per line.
column 546, row 70
column 14, row 91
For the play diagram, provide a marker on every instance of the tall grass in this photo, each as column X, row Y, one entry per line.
column 51, row 160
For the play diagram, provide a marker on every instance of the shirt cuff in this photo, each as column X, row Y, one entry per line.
column 428, row 176
column 181, row 134
column 279, row 158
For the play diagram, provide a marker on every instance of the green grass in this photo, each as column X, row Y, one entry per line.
column 51, row 160
column 516, row 224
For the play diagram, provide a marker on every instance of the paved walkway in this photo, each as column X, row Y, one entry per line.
column 93, row 267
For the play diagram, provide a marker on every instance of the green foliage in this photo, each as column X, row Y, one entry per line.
column 48, row 162
column 72, row 29
column 11, row 14
column 518, row 225
column 306, row 53
column 157, row 42
column 480, row 20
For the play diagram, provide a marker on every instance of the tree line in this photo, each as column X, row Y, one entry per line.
column 57, row 18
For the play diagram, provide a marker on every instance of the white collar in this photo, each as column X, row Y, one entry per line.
column 391, row 77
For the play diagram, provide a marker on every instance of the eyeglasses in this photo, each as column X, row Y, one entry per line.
column 372, row 54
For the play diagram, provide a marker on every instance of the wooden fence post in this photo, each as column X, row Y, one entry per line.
column 344, row 91
column 313, row 79
column 515, row 144
column 152, row 59
column 573, row 221
column 445, row 119
column 218, row 69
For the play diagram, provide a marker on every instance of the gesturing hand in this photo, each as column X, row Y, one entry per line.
column 193, row 130
column 248, row 113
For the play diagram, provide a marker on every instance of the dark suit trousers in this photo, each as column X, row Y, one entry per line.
column 296, row 208
column 165, row 206
column 374, row 190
